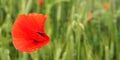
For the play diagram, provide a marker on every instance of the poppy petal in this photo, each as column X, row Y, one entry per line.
column 39, row 18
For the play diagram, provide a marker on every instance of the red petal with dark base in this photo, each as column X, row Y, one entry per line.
column 28, row 32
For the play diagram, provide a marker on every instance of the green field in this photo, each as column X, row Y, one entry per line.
column 78, row 29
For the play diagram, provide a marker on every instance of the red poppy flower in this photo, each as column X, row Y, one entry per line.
column 89, row 17
column 106, row 6
column 41, row 2
column 28, row 32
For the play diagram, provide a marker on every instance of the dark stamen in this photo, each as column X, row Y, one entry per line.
column 36, row 41
column 41, row 34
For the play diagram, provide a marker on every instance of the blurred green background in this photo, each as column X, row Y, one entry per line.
column 79, row 29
